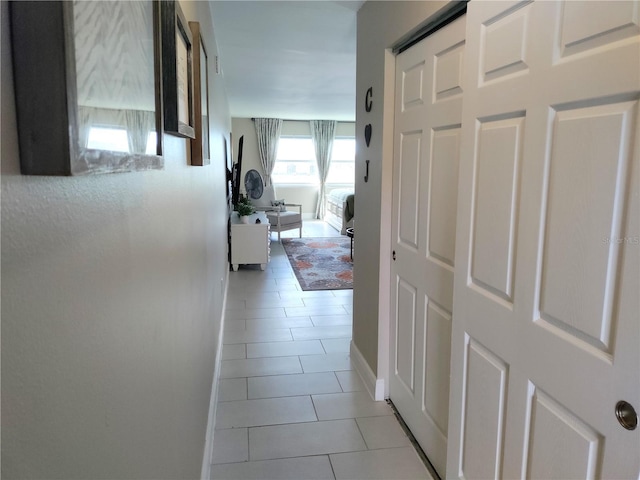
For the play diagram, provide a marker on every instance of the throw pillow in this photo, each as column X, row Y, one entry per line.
column 280, row 204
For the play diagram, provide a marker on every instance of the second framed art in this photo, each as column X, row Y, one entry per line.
column 177, row 71
column 200, row 150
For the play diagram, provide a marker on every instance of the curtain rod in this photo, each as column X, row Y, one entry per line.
column 253, row 119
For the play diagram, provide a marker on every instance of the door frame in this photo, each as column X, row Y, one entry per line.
column 379, row 387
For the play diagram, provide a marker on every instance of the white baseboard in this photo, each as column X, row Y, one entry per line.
column 207, row 458
column 375, row 386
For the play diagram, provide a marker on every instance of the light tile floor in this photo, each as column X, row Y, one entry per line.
column 290, row 406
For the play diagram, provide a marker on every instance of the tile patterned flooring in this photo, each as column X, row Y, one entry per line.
column 290, row 406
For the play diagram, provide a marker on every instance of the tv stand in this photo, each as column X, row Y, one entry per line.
column 250, row 241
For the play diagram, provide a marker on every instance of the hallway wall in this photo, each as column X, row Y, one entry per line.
column 112, row 296
column 380, row 26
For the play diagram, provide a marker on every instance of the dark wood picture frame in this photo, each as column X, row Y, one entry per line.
column 48, row 111
column 177, row 71
column 200, row 144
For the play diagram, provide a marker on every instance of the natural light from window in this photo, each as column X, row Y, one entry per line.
column 343, row 162
column 116, row 139
column 296, row 163
column 108, row 138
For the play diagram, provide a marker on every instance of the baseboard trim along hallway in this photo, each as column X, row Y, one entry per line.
column 375, row 386
column 207, row 458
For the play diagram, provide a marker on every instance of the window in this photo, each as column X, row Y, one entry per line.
column 343, row 161
column 116, row 140
column 108, row 138
column 296, row 161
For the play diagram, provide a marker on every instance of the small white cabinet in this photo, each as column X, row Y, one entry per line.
column 250, row 241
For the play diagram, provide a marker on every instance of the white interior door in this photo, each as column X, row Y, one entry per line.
column 545, row 338
column 426, row 149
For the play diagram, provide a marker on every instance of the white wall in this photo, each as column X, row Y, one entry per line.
column 112, row 296
column 306, row 195
column 380, row 26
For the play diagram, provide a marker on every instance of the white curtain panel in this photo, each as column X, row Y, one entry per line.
column 268, row 132
column 85, row 120
column 322, row 132
column 139, row 124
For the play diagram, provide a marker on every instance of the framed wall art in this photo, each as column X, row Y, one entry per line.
column 177, row 71
column 76, row 115
column 200, row 149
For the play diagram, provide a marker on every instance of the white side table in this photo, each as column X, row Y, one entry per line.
column 250, row 241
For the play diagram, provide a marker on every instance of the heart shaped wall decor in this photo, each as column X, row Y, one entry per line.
column 367, row 133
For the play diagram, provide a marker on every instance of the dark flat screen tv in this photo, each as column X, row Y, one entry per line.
column 237, row 172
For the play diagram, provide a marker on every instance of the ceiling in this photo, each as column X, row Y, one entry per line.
column 294, row 60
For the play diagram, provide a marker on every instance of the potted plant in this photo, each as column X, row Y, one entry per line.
column 244, row 209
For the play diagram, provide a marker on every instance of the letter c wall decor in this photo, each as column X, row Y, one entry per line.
column 368, row 100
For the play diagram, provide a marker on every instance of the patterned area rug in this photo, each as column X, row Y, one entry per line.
column 320, row 263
